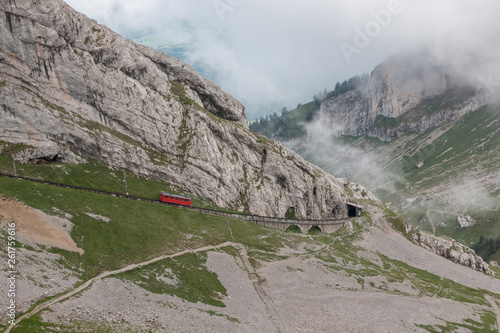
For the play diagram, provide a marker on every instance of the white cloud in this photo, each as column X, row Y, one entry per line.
column 284, row 51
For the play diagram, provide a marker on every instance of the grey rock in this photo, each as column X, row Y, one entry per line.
column 451, row 249
column 74, row 91
column 465, row 221
column 406, row 93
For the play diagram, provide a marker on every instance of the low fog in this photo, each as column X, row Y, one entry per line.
column 325, row 148
column 283, row 52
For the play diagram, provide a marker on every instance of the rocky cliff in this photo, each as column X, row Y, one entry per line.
column 73, row 91
column 450, row 249
column 406, row 93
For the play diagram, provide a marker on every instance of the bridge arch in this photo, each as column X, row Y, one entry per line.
column 294, row 228
column 314, row 230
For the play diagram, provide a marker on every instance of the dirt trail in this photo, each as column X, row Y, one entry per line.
column 230, row 230
column 35, row 227
column 241, row 249
column 431, row 221
column 494, row 305
column 268, row 302
column 106, row 274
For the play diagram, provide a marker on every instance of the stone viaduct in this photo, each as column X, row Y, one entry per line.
column 305, row 226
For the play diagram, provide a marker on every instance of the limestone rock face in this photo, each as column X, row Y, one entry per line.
column 74, row 90
column 451, row 249
column 406, row 93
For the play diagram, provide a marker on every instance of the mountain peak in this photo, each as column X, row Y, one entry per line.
column 409, row 92
column 75, row 91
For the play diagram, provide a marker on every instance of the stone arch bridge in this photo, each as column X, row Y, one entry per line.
column 304, row 225
column 324, row 226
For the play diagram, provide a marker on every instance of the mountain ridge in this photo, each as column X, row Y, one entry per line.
column 73, row 91
column 408, row 92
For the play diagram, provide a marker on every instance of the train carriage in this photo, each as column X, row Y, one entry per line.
column 175, row 199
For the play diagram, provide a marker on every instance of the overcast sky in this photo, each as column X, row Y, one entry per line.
column 281, row 52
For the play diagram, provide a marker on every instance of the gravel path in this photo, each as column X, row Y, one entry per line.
column 272, row 313
column 106, row 274
column 433, row 225
column 114, row 302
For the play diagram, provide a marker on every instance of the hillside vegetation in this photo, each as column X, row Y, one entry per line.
column 288, row 126
column 195, row 285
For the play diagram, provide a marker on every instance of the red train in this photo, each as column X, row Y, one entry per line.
column 175, row 199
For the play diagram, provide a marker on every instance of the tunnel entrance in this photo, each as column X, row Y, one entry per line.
column 353, row 210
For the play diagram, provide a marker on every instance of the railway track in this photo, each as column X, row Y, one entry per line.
column 238, row 216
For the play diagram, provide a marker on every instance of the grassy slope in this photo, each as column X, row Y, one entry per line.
column 93, row 175
column 138, row 231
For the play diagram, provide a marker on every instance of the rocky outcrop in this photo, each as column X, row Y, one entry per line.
column 73, row 90
column 465, row 221
column 406, row 93
column 450, row 249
